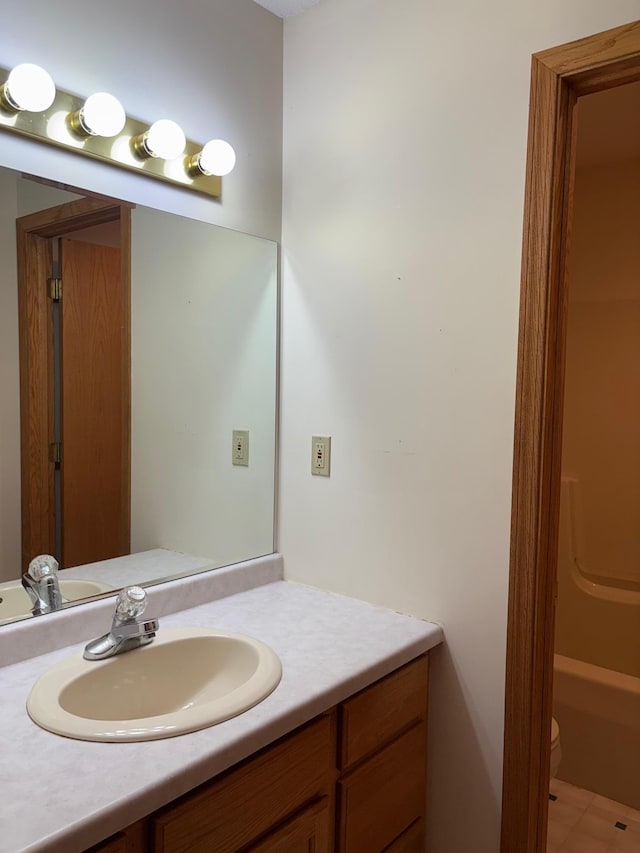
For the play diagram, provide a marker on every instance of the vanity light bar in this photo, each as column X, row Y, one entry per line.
column 106, row 133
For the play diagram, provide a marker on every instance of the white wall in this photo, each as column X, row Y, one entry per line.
column 405, row 129
column 214, row 66
column 203, row 363
column 18, row 197
column 10, row 541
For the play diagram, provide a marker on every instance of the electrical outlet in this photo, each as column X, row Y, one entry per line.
column 240, row 447
column 321, row 455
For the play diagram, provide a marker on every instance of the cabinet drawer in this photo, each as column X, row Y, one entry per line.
column 381, row 798
column 308, row 832
column 232, row 811
column 378, row 713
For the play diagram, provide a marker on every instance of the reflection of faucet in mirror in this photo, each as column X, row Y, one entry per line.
column 41, row 585
column 127, row 631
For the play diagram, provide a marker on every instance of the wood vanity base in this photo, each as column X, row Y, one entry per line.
column 352, row 780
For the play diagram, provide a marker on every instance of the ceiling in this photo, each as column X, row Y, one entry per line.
column 287, row 8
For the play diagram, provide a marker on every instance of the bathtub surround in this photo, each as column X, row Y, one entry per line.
column 602, row 397
column 596, row 686
column 599, row 542
column 582, row 603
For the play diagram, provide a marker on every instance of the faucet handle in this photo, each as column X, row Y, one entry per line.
column 130, row 603
column 43, row 566
column 126, row 633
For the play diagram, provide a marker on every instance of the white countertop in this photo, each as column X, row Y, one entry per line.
column 61, row 795
column 157, row 564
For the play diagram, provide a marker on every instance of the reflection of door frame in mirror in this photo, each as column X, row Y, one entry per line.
column 559, row 77
column 34, row 233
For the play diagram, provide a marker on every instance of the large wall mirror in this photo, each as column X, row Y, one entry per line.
column 118, row 451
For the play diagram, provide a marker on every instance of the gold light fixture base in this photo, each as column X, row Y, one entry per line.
column 138, row 146
column 75, row 123
column 192, row 165
column 60, row 126
column 6, row 103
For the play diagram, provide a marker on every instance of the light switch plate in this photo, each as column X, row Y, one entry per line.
column 240, row 447
column 321, row 455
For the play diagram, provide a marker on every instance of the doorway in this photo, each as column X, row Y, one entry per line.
column 75, row 381
column 559, row 77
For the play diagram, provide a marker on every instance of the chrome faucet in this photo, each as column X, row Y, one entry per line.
column 127, row 631
column 40, row 582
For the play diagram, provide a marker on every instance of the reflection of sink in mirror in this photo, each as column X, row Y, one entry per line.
column 14, row 601
column 187, row 679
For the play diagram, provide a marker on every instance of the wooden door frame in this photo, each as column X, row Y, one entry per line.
column 559, row 76
column 33, row 233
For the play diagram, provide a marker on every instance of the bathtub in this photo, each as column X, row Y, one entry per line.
column 598, row 711
column 596, row 620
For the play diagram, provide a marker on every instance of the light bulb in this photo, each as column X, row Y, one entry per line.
column 28, row 87
column 164, row 139
column 101, row 115
column 216, row 158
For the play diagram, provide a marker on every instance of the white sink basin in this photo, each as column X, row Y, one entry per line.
column 14, row 601
column 185, row 680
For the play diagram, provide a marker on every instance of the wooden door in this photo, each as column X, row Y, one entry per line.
column 91, row 403
column 558, row 77
column 35, row 235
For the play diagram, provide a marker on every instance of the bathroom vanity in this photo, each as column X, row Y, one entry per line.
column 355, row 774
column 333, row 759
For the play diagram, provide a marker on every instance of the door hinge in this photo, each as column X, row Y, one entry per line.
column 55, row 452
column 55, row 289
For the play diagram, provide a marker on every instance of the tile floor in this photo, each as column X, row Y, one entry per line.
column 583, row 822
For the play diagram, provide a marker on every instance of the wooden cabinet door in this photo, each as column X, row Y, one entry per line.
column 290, row 798
column 379, row 713
column 133, row 839
column 309, row 832
column 234, row 810
column 115, row 844
column 383, row 796
column 411, row 841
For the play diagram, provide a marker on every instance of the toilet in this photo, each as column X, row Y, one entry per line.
column 556, row 754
